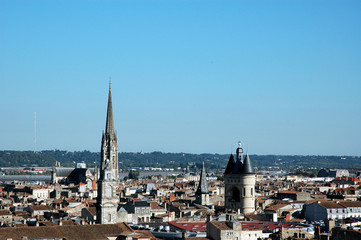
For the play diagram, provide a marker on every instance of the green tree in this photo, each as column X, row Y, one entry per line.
column 133, row 174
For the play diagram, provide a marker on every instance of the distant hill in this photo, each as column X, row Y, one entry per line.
column 174, row 160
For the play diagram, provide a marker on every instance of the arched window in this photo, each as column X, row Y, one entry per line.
column 236, row 195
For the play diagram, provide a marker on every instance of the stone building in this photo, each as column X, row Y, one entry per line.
column 108, row 182
column 333, row 173
column 294, row 195
column 240, row 181
column 78, row 232
column 324, row 210
column 5, row 216
column 79, row 174
column 231, row 230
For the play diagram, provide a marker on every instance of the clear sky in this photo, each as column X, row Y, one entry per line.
column 284, row 77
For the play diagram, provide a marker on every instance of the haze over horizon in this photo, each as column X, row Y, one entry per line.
column 187, row 76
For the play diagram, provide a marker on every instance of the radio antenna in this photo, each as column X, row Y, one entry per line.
column 34, row 131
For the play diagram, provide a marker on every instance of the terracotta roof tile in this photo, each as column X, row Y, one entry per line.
column 190, row 226
column 76, row 232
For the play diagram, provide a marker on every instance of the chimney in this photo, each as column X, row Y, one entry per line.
column 288, row 217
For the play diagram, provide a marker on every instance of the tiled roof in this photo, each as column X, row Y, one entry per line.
column 276, row 207
column 76, row 232
column 350, row 203
column 328, row 204
column 154, row 205
column 220, row 225
column 288, row 192
column 190, row 226
column 5, row 212
column 40, row 208
column 257, row 225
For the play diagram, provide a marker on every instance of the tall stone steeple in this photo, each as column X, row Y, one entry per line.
column 109, row 149
column 109, row 126
column 107, row 201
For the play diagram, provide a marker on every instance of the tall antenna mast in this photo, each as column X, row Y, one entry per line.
column 34, row 131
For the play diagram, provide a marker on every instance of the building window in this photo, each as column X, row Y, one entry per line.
column 235, row 194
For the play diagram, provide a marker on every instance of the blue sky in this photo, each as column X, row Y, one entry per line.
column 284, row 77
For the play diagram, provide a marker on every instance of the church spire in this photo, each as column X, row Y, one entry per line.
column 107, row 199
column 109, row 149
column 109, row 128
column 203, row 184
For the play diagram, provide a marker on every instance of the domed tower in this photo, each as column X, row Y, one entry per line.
column 240, row 181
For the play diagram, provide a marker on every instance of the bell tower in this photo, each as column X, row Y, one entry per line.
column 240, row 181
column 107, row 201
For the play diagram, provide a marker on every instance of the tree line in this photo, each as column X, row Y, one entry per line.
column 129, row 160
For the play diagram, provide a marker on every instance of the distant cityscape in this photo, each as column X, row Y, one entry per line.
column 148, row 196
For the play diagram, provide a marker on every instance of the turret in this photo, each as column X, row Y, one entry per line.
column 240, row 180
column 230, row 165
column 247, row 167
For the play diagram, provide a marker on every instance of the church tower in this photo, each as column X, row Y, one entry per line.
column 202, row 193
column 240, row 181
column 107, row 201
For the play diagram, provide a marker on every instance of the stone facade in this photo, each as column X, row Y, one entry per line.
column 108, row 182
column 231, row 230
column 240, row 181
column 324, row 210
